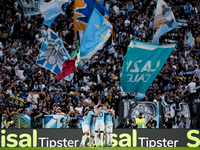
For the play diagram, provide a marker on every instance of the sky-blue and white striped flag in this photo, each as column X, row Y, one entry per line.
column 52, row 53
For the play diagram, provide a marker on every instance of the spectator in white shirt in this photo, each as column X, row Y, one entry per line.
column 86, row 87
column 116, row 9
column 79, row 109
column 30, row 97
column 88, row 100
column 41, row 85
column 9, row 91
column 8, row 67
column 192, row 86
column 35, row 97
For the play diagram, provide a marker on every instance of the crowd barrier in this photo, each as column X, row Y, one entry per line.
column 49, row 121
column 121, row 138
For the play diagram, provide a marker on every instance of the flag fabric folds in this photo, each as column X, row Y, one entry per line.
column 164, row 20
column 52, row 12
column 31, row 7
column 52, row 53
column 82, row 12
column 70, row 65
column 142, row 63
column 68, row 68
column 96, row 34
column 189, row 39
column 49, row 10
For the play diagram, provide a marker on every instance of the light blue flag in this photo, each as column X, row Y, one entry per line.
column 142, row 63
column 82, row 12
column 164, row 20
column 51, row 13
column 97, row 32
column 52, row 53
column 49, row 10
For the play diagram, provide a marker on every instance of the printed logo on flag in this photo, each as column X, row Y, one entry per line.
column 30, row 6
column 161, row 18
column 28, row 3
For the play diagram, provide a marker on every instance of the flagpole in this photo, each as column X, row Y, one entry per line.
column 154, row 21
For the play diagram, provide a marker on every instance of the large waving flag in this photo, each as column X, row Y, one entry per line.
column 53, row 53
column 82, row 12
column 96, row 34
column 142, row 63
column 52, row 12
column 49, row 10
column 164, row 20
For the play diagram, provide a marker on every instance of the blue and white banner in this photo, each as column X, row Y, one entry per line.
column 53, row 53
column 97, row 32
column 59, row 121
column 142, row 63
column 55, row 121
column 49, row 10
column 164, row 20
column 52, row 12
column 187, row 73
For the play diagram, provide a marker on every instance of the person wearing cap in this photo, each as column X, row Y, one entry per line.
column 59, row 112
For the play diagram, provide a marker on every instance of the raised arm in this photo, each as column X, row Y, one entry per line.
column 96, row 114
column 112, row 112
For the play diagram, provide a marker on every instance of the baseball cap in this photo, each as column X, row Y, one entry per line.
column 58, row 108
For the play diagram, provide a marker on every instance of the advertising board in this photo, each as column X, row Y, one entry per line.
column 121, row 138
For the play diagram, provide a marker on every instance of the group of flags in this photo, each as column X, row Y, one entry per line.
column 91, row 28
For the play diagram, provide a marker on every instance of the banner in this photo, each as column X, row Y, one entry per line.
column 53, row 53
column 96, row 34
column 176, row 110
column 172, row 37
column 130, row 110
column 164, row 20
column 82, row 12
column 121, row 138
column 55, row 121
column 182, row 22
column 59, row 121
column 15, row 100
column 142, row 63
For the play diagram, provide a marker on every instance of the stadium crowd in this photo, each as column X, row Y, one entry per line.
column 97, row 82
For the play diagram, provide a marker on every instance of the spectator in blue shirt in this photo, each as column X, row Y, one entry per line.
column 187, row 8
column 56, row 96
